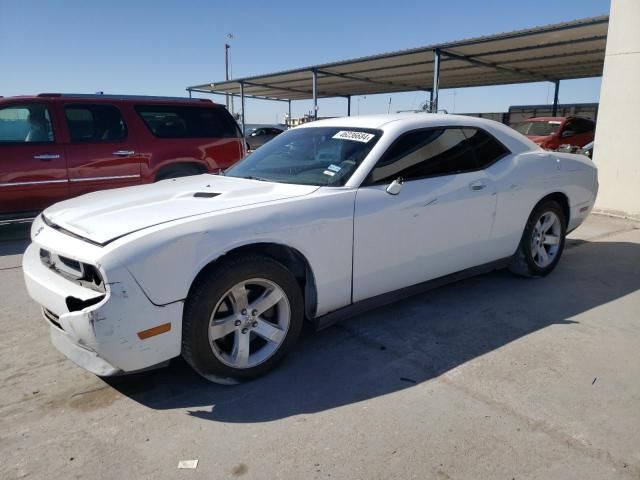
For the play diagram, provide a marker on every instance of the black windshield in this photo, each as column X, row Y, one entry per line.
column 323, row 156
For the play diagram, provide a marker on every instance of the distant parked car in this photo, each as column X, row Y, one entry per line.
column 57, row 146
column 262, row 135
column 551, row 132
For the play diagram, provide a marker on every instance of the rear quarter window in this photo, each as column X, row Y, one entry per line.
column 187, row 122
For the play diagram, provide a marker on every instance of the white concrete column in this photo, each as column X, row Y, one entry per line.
column 617, row 143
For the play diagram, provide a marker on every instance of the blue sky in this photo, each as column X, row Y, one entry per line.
column 160, row 47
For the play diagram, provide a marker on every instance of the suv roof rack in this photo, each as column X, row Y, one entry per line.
column 123, row 97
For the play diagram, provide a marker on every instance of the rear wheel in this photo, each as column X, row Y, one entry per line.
column 241, row 319
column 176, row 171
column 542, row 241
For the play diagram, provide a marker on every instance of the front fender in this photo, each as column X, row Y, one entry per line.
column 166, row 260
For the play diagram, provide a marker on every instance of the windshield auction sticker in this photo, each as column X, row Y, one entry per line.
column 356, row 136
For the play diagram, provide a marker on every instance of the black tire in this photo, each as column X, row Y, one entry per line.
column 523, row 262
column 210, row 289
column 176, row 171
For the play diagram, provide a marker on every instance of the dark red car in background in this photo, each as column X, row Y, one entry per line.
column 551, row 132
column 56, row 146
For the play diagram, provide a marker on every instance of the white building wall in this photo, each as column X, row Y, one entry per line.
column 617, row 142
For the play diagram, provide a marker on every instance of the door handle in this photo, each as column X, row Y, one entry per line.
column 45, row 157
column 477, row 186
column 123, row 153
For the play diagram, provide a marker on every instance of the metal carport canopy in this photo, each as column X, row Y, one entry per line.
column 548, row 53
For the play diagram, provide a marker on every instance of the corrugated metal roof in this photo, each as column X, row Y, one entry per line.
column 552, row 52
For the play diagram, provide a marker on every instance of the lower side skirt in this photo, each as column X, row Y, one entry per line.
column 391, row 297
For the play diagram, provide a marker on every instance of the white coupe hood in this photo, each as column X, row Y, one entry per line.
column 106, row 215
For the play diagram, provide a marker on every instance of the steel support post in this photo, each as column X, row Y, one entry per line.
column 555, row 98
column 226, row 69
column 314, row 77
column 436, row 80
column 242, row 105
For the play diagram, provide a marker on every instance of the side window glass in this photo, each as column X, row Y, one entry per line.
column 187, row 122
column 163, row 122
column 95, row 123
column 215, row 123
column 487, row 149
column 570, row 127
column 426, row 153
column 26, row 124
column 583, row 126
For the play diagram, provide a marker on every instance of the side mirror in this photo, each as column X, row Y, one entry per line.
column 395, row 186
column 567, row 133
column 253, row 134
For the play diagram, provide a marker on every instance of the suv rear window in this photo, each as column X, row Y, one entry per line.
column 166, row 121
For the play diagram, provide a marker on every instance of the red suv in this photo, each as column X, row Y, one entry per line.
column 551, row 132
column 56, row 146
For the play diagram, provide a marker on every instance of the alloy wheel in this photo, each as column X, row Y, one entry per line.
column 545, row 239
column 249, row 323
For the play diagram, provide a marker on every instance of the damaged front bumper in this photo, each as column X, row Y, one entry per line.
column 105, row 332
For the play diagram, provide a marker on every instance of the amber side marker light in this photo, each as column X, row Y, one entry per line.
column 152, row 332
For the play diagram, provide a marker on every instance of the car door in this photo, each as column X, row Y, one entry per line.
column 101, row 151
column 438, row 223
column 33, row 170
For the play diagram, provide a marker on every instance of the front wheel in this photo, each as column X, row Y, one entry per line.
column 241, row 318
column 542, row 241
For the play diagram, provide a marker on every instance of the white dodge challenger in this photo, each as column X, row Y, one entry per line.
column 325, row 220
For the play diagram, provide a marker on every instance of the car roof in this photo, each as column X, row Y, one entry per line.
column 399, row 123
column 402, row 121
column 372, row 121
column 79, row 97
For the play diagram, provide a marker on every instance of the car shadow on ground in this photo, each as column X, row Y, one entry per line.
column 400, row 345
column 13, row 247
column 14, row 239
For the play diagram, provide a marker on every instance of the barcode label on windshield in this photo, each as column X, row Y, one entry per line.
column 356, row 136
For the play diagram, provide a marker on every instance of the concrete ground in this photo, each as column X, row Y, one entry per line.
column 493, row 377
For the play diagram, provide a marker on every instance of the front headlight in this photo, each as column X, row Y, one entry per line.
column 82, row 273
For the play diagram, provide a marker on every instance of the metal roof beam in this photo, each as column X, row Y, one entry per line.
column 256, row 97
column 477, row 56
column 286, row 89
column 539, row 46
column 491, row 53
column 504, row 64
column 496, row 66
column 367, row 80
